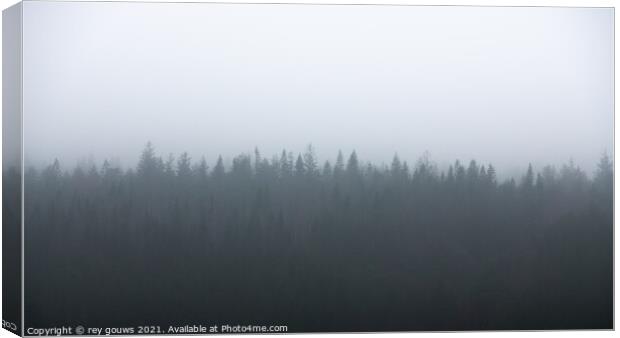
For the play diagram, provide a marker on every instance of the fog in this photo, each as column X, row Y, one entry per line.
column 502, row 85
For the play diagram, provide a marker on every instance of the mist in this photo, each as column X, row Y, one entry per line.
column 509, row 86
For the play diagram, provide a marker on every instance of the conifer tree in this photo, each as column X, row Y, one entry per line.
column 353, row 164
column 300, row 167
column 310, row 163
column 218, row 171
column 339, row 166
column 327, row 170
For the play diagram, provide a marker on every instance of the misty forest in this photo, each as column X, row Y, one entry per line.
column 316, row 245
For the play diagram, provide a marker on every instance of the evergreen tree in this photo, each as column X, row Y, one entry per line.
column 472, row 172
column 459, row 172
column 52, row 173
column 169, row 166
column 327, row 170
column 286, row 167
column 149, row 164
column 184, row 166
column 396, row 168
column 603, row 183
column 528, row 179
column 491, row 175
column 257, row 160
column 604, row 172
column 201, row 170
column 242, row 167
column 218, row 171
column 310, row 163
column 450, row 177
column 339, row 167
column 353, row 164
column 300, row 167
column 539, row 183
column 405, row 170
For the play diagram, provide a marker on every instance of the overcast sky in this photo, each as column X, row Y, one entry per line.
column 502, row 85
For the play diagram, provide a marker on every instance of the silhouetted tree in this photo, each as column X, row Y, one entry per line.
column 339, row 166
column 201, row 170
column 353, row 165
column 149, row 165
column 285, row 164
column 327, row 170
column 218, row 170
column 310, row 163
column 300, row 167
column 528, row 179
column 184, row 166
column 491, row 175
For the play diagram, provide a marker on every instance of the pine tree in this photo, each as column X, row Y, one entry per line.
column 52, row 172
column 201, row 170
column 396, row 168
column 169, row 166
column 528, row 179
column 327, row 170
column 286, row 169
column 257, row 160
column 310, row 162
column 405, row 170
column 491, row 175
column 242, row 167
column 184, row 166
column 353, row 164
column 105, row 168
column 149, row 164
column 450, row 176
column 539, row 183
column 459, row 172
column 604, row 171
column 218, row 171
column 339, row 167
column 603, row 182
column 472, row 172
column 299, row 166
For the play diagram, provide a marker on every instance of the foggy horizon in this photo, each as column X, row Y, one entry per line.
column 220, row 79
column 514, row 172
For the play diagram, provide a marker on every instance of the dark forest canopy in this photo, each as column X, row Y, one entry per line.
column 319, row 246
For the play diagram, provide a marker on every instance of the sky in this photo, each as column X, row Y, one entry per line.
column 509, row 86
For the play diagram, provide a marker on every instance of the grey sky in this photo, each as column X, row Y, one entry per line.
column 502, row 85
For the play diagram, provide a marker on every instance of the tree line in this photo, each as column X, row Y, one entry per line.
column 343, row 246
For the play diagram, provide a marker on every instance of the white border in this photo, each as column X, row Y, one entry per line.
column 520, row 3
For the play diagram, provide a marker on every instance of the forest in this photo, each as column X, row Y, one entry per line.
column 318, row 246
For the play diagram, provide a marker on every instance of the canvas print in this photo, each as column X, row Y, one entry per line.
column 196, row 168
